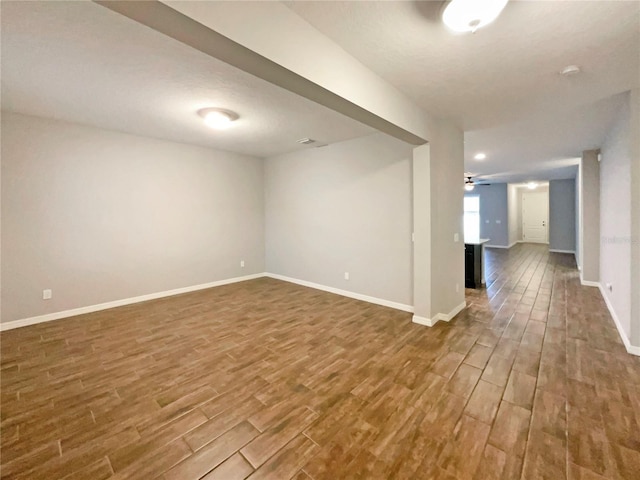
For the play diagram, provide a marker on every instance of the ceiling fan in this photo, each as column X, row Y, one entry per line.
column 469, row 184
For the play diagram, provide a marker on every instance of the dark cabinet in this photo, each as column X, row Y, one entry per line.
column 473, row 274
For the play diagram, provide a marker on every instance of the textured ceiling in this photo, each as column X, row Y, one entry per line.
column 540, row 146
column 502, row 83
column 80, row 62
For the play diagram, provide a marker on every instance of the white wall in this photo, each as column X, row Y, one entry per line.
column 578, row 225
column 615, row 218
column 634, row 148
column 562, row 215
column 99, row 216
column 512, row 210
column 519, row 214
column 447, row 212
column 343, row 208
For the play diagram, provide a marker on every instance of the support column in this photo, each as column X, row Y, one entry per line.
column 634, row 133
column 590, row 218
column 438, row 171
column 422, row 235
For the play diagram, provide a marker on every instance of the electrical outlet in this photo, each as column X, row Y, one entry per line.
column 346, row 275
column 457, row 287
column 47, row 294
column 456, row 237
column 241, row 263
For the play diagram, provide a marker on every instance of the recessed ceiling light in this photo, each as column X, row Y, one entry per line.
column 480, row 156
column 532, row 185
column 218, row 118
column 469, row 15
column 570, row 70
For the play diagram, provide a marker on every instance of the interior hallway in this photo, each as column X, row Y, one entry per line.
column 266, row 379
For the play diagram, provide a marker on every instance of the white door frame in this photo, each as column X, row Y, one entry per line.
column 536, row 195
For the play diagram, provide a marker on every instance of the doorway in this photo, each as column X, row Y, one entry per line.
column 535, row 217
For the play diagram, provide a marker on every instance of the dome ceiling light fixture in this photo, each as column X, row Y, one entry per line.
column 218, row 118
column 470, row 15
column 480, row 156
column 570, row 70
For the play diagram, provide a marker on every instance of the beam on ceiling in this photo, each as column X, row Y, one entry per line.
column 166, row 20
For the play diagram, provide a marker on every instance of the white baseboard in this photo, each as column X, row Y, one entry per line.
column 588, row 283
column 423, row 321
column 153, row 296
column 553, row 250
column 119, row 303
column 633, row 350
column 344, row 293
column 504, row 246
column 445, row 317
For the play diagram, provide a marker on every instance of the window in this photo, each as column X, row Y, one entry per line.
column 471, row 216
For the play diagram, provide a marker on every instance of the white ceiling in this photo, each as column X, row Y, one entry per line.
column 540, row 146
column 60, row 60
column 80, row 62
column 501, row 84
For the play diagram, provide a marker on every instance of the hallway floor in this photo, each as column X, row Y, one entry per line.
column 269, row 380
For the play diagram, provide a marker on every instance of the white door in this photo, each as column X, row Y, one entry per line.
column 535, row 217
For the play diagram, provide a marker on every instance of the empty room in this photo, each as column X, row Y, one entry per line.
column 320, row 240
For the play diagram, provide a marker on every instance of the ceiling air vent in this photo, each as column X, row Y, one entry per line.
column 305, row 141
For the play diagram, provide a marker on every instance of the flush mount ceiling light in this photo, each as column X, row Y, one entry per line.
column 570, row 70
column 218, row 118
column 480, row 156
column 468, row 184
column 532, row 185
column 469, row 15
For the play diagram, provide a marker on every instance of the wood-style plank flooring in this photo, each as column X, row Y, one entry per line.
column 270, row 380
